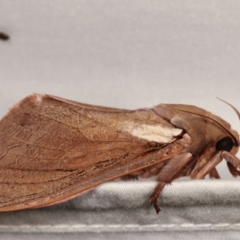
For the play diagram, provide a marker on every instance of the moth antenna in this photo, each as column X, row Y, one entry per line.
column 229, row 104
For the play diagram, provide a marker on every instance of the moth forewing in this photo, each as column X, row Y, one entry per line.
column 53, row 149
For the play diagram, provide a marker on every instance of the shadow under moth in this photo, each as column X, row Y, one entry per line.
column 53, row 149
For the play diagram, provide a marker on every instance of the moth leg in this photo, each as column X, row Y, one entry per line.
column 167, row 173
column 156, row 194
column 233, row 170
column 214, row 174
column 209, row 166
column 233, row 160
column 202, row 160
column 233, row 163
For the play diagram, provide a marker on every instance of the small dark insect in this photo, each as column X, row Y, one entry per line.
column 4, row 36
column 53, row 149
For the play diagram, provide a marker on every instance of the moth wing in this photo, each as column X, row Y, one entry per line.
column 52, row 149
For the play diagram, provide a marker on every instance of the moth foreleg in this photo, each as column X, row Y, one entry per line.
column 209, row 167
column 233, row 160
column 233, row 163
column 214, row 174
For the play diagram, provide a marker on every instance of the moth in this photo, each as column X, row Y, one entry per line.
column 53, row 149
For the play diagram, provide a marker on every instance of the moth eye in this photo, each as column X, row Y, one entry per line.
column 224, row 144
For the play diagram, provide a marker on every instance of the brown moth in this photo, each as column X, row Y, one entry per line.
column 53, row 149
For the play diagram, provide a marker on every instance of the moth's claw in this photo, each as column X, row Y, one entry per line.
column 155, row 205
column 157, row 208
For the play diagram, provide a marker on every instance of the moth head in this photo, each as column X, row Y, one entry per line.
column 225, row 138
column 229, row 143
column 221, row 133
column 217, row 132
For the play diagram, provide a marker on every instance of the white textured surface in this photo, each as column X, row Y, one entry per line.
column 118, row 207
